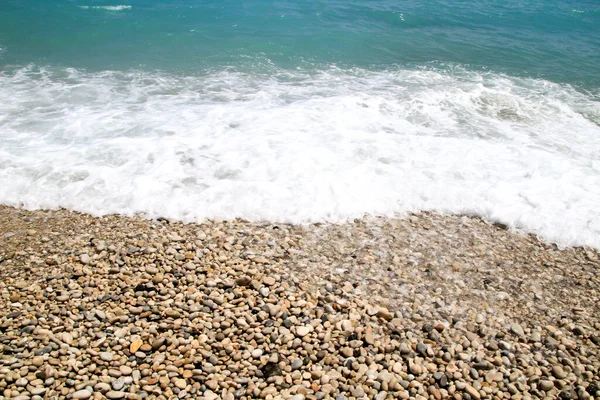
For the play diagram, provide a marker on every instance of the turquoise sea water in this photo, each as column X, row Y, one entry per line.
column 305, row 110
column 554, row 40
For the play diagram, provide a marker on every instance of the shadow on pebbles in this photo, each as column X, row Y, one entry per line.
column 425, row 307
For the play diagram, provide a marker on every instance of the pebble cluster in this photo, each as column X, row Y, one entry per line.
column 425, row 307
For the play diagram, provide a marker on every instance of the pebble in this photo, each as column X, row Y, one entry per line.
column 157, row 344
column 118, row 384
column 102, row 387
column 517, row 330
column 474, row 393
column 82, row 394
column 302, row 331
column 559, row 372
column 125, row 370
column 210, row 395
column 257, row 353
column 243, row 281
column 269, row 281
column 415, row 369
column 296, row 364
column 180, row 383
column 135, row 345
column 113, row 394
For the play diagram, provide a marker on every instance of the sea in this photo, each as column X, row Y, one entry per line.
column 305, row 110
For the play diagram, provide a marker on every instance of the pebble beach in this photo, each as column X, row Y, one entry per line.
column 428, row 307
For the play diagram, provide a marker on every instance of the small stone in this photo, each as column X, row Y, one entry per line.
column 583, row 395
column 347, row 352
column 579, row 331
column 369, row 339
column 257, row 353
column 302, row 331
column 82, row 394
column 67, row 338
column 346, row 326
column 358, row 392
column 21, row 382
column 102, row 387
column 372, row 311
column 296, row 364
column 385, row 314
column 85, row 258
column 113, row 394
column 106, row 356
column 517, row 330
column 494, row 376
column 118, row 384
column 171, row 313
column 181, row 383
column 145, row 348
column 546, row 385
column 243, row 281
column 396, row 324
column 135, row 345
column 269, row 281
column 38, row 391
column 559, row 372
column 512, row 389
column 474, row 393
column 415, row 369
column 157, row 344
column 210, row 395
column 125, row 370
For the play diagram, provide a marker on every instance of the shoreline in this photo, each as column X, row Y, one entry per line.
column 443, row 307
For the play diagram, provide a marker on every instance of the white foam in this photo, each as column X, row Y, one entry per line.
column 299, row 147
column 108, row 8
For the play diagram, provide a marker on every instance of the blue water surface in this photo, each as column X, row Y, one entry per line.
column 554, row 40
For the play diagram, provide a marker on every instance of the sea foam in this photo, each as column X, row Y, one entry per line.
column 108, row 8
column 299, row 146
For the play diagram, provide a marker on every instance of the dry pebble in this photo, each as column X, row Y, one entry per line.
column 424, row 307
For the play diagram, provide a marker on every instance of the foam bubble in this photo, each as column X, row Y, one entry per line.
column 301, row 146
column 108, row 8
